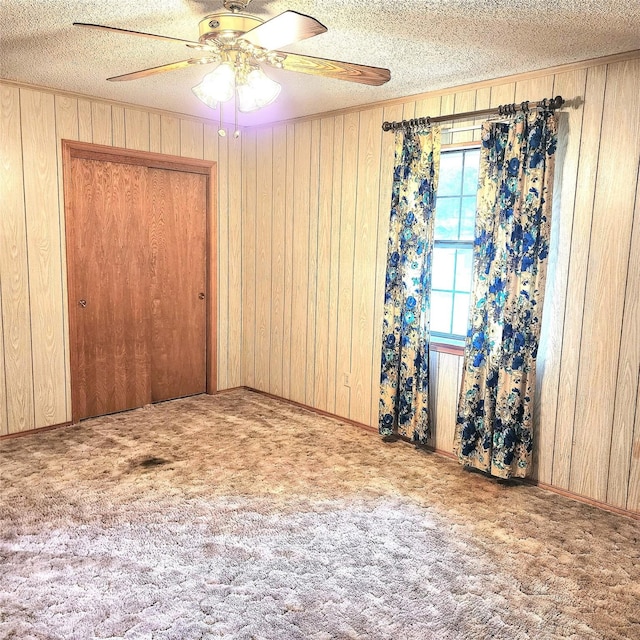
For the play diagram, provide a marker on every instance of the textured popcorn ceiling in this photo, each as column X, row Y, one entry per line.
column 427, row 45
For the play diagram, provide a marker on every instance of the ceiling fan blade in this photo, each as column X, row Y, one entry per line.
column 335, row 69
column 135, row 33
column 143, row 73
column 285, row 29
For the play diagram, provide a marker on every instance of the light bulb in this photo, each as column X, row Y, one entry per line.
column 217, row 86
column 258, row 92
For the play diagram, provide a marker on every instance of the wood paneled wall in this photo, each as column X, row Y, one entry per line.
column 317, row 196
column 303, row 215
column 34, row 335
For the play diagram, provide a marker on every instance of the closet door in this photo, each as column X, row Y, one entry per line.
column 108, row 232
column 177, row 245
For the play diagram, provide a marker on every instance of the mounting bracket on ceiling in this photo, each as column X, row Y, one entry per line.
column 235, row 5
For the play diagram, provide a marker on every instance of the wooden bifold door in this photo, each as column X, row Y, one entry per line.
column 138, row 265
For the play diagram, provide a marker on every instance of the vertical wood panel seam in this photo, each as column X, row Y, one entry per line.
column 635, row 413
column 26, row 229
column 586, row 277
column 336, row 377
column 353, row 263
column 228, row 270
column 636, row 424
column 255, row 254
column 315, row 275
column 566, row 289
column 375, row 280
column 4, row 366
column 293, row 226
column 241, row 253
column 65, row 338
column 268, row 370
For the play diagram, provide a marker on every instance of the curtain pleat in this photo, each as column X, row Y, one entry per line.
column 404, row 401
column 494, row 430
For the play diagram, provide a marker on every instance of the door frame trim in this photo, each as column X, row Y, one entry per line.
column 88, row 151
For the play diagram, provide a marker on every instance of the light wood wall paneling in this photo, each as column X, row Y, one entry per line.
column 325, row 201
column 85, row 120
column 44, row 257
column 101, row 123
column 628, row 371
column 503, row 94
column 604, row 297
column 409, row 110
column 447, row 378
column 447, row 104
column 633, row 497
column 118, row 126
column 464, row 101
column 155, row 133
column 210, row 152
column 312, row 265
column 279, row 176
column 4, row 426
column 334, row 276
column 288, row 261
column 249, row 311
column 263, row 251
column 576, row 280
column 387, row 163
column 483, row 101
column 364, row 260
column 425, row 107
column 191, row 139
column 137, row 129
column 572, row 86
column 350, row 154
column 170, row 135
column 67, row 128
column 299, row 294
column 534, row 89
column 235, row 263
column 224, row 258
column 14, row 269
column 433, row 396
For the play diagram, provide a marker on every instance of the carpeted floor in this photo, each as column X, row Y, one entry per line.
column 237, row 516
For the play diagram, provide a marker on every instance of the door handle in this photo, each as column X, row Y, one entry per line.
column 201, row 296
column 82, row 303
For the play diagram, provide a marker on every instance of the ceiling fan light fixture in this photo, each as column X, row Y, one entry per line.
column 217, row 86
column 258, row 91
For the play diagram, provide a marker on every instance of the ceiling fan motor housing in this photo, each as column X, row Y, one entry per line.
column 226, row 26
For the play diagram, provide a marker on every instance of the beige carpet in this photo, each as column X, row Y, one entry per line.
column 238, row 516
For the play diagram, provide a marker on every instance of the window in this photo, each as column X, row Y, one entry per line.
column 453, row 244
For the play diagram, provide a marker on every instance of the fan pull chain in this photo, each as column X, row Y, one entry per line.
column 236, row 133
column 221, row 132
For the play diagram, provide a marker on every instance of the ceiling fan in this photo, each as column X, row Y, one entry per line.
column 239, row 43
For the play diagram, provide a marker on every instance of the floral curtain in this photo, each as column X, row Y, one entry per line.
column 494, row 422
column 404, row 401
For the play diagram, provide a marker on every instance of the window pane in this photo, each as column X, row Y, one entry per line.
column 460, row 314
column 447, row 218
column 468, row 218
column 441, row 308
column 464, row 262
column 443, row 268
column 471, row 166
column 450, row 179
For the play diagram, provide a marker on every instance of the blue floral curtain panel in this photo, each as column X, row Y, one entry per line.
column 404, row 401
column 494, row 423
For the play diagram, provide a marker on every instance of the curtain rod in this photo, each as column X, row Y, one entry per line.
column 550, row 104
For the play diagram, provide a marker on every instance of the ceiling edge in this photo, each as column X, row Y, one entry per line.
column 528, row 75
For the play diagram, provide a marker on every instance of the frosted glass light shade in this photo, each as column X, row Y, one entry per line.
column 258, row 92
column 217, row 86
